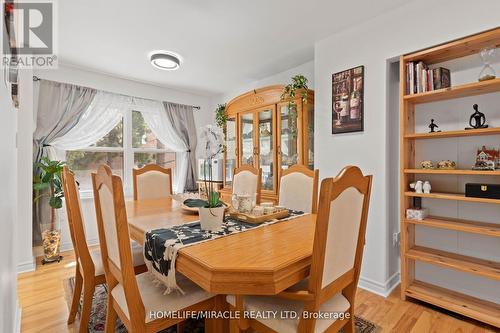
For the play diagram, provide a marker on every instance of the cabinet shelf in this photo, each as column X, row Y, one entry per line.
column 481, row 267
column 451, row 196
column 463, row 304
column 475, row 227
column 452, row 134
column 463, row 90
column 452, row 172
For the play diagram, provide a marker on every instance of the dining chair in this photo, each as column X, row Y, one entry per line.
column 152, row 182
column 89, row 269
column 135, row 299
column 330, row 289
column 247, row 180
column 298, row 188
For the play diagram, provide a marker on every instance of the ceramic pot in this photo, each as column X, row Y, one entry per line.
column 211, row 218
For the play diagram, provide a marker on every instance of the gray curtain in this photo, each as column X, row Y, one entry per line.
column 182, row 119
column 60, row 107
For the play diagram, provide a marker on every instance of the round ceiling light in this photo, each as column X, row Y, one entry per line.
column 165, row 60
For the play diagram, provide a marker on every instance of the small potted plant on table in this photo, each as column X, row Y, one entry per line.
column 211, row 142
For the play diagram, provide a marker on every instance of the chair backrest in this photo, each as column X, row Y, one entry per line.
column 340, row 232
column 152, row 182
column 247, row 180
column 75, row 222
column 114, row 238
column 298, row 189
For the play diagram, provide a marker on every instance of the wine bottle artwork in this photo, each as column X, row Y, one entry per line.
column 347, row 101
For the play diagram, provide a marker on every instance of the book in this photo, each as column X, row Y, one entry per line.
column 441, row 78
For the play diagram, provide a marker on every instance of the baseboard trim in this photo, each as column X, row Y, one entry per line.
column 27, row 266
column 382, row 289
column 17, row 323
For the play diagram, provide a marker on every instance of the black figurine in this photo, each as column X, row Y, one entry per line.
column 477, row 119
column 432, row 126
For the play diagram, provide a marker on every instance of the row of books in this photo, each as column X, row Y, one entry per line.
column 420, row 78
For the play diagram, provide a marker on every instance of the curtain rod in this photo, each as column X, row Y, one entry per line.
column 36, row 79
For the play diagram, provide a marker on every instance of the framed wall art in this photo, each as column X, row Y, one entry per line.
column 347, row 100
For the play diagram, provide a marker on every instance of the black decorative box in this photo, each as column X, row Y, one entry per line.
column 478, row 190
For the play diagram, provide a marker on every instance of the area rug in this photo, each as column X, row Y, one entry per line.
column 98, row 314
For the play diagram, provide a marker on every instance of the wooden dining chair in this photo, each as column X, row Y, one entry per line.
column 152, row 182
column 298, row 188
column 339, row 240
column 89, row 268
column 135, row 299
column 247, row 180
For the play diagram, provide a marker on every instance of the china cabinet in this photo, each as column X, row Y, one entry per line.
column 268, row 133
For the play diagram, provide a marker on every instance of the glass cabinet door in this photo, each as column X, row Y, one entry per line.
column 289, row 136
column 310, row 136
column 247, row 139
column 266, row 148
column 230, row 161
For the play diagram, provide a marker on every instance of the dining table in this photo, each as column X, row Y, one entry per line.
column 261, row 261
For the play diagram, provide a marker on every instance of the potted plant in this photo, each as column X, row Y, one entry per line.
column 299, row 83
column 221, row 116
column 211, row 210
column 47, row 183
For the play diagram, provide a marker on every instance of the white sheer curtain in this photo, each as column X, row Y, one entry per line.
column 103, row 114
column 156, row 118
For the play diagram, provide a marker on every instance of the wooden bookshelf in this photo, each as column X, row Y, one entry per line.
column 478, row 309
column 457, row 172
column 475, row 227
column 453, row 134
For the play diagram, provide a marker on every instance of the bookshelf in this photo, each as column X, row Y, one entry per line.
column 411, row 252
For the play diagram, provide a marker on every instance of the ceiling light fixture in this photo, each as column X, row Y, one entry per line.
column 165, row 60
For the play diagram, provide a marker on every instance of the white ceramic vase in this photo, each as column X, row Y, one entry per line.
column 211, row 218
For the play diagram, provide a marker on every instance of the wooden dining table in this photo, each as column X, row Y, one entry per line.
column 262, row 261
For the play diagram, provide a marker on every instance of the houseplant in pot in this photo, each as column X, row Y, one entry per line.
column 47, row 183
column 211, row 143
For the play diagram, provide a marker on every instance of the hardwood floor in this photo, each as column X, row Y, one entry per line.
column 44, row 307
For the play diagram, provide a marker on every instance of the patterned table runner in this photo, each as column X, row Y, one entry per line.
column 161, row 245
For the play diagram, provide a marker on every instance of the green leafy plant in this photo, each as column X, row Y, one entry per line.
column 221, row 116
column 47, row 183
column 299, row 82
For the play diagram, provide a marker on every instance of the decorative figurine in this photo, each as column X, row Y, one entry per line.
column 427, row 187
column 447, row 165
column 477, row 119
column 427, row 165
column 432, row 126
column 417, row 186
column 487, row 159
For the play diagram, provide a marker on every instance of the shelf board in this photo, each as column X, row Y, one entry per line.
column 481, row 267
column 463, row 90
column 451, row 196
column 475, row 227
column 452, row 134
column 453, row 172
column 456, row 49
column 466, row 305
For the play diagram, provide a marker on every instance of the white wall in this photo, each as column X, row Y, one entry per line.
column 8, row 210
column 122, row 86
column 371, row 44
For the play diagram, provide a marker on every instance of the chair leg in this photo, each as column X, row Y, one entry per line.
column 233, row 326
column 77, row 293
column 110, row 317
column 349, row 327
column 88, row 295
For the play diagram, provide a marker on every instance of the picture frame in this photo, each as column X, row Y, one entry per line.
column 348, row 100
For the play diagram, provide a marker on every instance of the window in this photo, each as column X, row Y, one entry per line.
column 130, row 144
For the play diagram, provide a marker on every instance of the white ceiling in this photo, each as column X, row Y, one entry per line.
column 224, row 43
